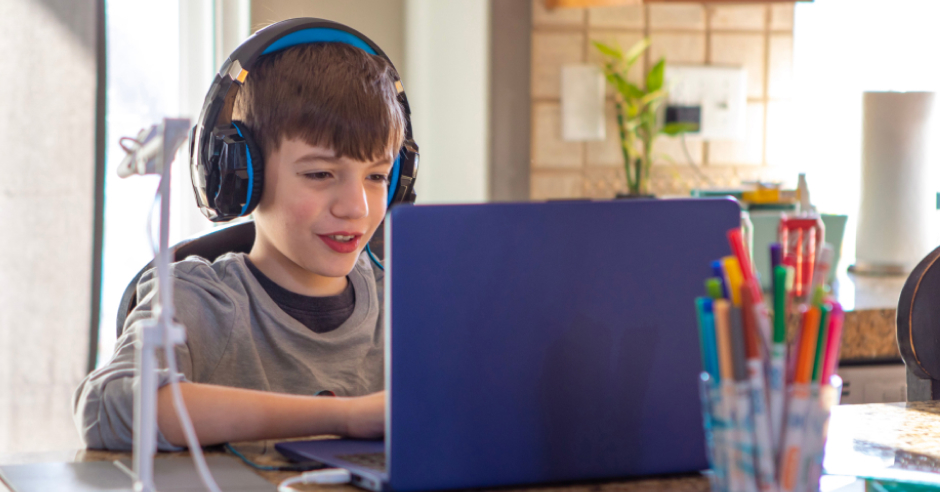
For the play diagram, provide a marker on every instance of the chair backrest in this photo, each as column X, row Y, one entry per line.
column 211, row 245
column 918, row 320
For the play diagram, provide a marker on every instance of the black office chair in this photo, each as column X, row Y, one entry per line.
column 918, row 329
column 211, row 245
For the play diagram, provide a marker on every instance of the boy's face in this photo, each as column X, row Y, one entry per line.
column 318, row 210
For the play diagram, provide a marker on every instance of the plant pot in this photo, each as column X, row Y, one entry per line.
column 629, row 196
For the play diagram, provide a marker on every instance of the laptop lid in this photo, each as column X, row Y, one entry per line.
column 545, row 342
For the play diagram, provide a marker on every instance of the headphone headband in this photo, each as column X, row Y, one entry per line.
column 227, row 182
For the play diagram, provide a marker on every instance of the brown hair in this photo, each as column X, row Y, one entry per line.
column 327, row 94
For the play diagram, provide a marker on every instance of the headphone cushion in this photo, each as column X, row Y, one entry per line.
column 257, row 165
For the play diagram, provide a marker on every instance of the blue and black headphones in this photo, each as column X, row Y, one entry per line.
column 226, row 165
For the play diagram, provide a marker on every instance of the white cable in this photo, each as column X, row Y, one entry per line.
column 691, row 163
column 178, row 404
column 332, row 476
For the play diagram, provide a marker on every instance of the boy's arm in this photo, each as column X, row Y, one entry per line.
column 222, row 414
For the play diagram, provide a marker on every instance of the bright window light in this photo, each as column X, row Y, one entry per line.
column 843, row 48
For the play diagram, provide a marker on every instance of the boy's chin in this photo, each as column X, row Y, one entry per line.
column 334, row 267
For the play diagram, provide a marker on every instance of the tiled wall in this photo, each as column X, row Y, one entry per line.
column 758, row 37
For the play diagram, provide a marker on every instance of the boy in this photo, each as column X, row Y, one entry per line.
column 301, row 314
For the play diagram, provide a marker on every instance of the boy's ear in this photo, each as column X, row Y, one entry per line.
column 255, row 167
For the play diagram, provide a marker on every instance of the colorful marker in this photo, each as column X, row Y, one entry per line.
column 734, row 278
column 706, row 325
column 763, row 440
column 715, row 288
column 834, row 342
column 718, row 270
column 778, row 357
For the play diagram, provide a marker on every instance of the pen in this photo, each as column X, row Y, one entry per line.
column 743, row 417
column 778, row 357
column 715, row 288
column 721, row 310
column 822, row 339
column 761, row 313
column 780, row 304
column 718, row 270
column 737, row 477
column 734, row 278
column 763, row 440
column 776, row 255
column 834, row 342
column 807, row 351
column 791, row 456
column 738, row 354
column 736, row 240
column 706, row 324
column 812, row 446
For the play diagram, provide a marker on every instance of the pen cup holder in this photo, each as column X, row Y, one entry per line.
column 745, row 454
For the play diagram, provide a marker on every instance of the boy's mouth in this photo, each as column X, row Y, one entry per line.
column 341, row 242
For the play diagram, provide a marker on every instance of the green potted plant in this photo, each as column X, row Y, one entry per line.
column 638, row 118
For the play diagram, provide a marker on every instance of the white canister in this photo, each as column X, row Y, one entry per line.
column 899, row 196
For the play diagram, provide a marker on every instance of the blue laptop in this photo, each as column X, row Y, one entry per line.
column 539, row 342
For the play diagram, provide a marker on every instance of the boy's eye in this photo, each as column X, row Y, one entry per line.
column 382, row 178
column 318, row 176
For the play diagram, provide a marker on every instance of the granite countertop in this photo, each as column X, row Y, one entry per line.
column 894, row 441
column 870, row 303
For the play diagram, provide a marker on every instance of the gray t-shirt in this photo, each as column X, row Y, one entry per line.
column 237, row 336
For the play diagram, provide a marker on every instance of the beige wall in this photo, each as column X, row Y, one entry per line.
column 381, row 20
column 757, row 37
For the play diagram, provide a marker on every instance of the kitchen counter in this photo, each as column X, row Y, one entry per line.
column 899, row 441
column 870, row 304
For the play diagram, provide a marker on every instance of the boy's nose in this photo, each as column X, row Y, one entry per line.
column 351, row 202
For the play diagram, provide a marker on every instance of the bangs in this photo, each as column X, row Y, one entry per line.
column 326, row 94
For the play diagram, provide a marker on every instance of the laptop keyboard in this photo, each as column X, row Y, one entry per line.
column 375, row 461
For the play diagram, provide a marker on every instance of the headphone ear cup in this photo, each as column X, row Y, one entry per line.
column 256, row 166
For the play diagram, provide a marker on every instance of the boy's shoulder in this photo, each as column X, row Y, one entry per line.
column 230, row 272
column 198, row 269
column 201, row 286
column 228, row 269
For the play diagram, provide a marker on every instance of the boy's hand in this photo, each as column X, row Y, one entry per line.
column 365, row 416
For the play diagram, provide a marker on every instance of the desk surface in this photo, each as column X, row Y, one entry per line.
column 890, row 438
column 263, row 452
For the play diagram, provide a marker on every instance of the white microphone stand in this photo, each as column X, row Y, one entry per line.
column 154, row 153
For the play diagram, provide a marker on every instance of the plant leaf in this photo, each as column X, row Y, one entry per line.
column 635, row 51
column 633, row 91
column 654, row 79
column 607, row 50
column 653, row 96
column 674, row 129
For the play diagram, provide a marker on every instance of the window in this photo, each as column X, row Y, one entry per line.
column 843, row 48
column 161, row 59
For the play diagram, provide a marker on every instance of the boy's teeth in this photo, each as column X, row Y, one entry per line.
column 342, row 238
